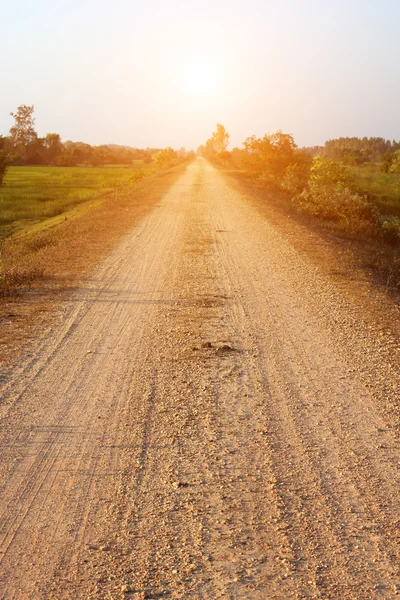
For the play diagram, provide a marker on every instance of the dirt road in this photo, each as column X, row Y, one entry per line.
column 207, row 423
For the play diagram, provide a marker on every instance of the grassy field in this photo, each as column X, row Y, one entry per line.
column 383, row 189
column 33, row 196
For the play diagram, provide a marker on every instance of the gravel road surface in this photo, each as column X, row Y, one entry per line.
column 207, row 422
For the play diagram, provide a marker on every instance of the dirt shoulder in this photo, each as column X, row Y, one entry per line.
column 73, row 250
column 352, row 265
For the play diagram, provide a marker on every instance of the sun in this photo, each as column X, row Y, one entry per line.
column 200, row 77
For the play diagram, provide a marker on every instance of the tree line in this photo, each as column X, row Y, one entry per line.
column 357, row 151
column 23, row 146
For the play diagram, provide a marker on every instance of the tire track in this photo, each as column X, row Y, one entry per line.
column 202, row 426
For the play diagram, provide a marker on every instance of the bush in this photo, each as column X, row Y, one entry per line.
column 3, row 166
column 165, row 157
column 329, row 195
column 296, row 175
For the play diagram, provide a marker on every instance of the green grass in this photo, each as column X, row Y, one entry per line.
column 383, row 189
column 33, row 195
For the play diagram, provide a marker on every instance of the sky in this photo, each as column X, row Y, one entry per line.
column 164, row 72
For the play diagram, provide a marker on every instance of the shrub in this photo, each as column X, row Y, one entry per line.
column 296, row 175
column 164, row 157
column 329, row 195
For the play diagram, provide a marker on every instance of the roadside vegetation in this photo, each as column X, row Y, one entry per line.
column 44, row 182
column 352, row 185
column 33, row 195
column 383, row 188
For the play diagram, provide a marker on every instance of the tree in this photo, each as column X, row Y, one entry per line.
column 53, row 146
column 210, row 150
column 217, row 143
column 35, row 153
column 23, row 132
column 220, row 138
column 271, row 155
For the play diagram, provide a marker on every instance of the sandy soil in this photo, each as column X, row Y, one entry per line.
column 213, row 418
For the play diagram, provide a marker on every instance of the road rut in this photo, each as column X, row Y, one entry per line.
column 207, row 422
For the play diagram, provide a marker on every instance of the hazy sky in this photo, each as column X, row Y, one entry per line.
column 163, row 72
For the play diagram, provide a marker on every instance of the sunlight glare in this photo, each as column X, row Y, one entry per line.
column 200, row 77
